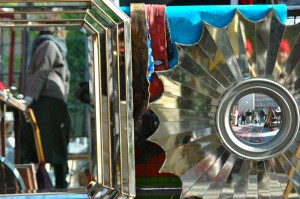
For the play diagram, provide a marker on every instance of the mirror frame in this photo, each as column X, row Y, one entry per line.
column 103, row 22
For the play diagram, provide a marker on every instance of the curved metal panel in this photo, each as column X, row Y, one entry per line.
column 109, row 33
column 200, row 144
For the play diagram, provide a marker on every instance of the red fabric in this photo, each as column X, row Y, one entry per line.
column 156, row 88
column 246, row 1
column 156, row 15
column 285, row 46
column 2, row 86
column 249, row 46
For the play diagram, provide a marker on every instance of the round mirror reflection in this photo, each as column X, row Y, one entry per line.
column 256, row 118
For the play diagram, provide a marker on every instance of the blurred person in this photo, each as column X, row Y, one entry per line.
column 46, row 94
column 255, row 117
column 262, row 116
column 283, row 55
column 235, row 116
column 243, row 118
column 248, row 116
column 249, row 53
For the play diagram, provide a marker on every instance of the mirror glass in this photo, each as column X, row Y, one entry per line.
column 256, row 118
column 100, row 151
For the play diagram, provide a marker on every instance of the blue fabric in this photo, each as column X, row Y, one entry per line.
column 186, row 21
column 150, row 57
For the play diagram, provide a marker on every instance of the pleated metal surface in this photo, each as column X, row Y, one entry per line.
column 198, row 94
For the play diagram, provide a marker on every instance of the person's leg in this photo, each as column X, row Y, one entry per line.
column 60, row 173
column 28, row 153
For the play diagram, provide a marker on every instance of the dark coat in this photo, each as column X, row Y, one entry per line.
column 54, row 125
column 48, row 85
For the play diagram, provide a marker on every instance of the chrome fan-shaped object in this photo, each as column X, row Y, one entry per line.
column 211, row 129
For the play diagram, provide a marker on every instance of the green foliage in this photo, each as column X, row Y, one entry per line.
column 77, row 62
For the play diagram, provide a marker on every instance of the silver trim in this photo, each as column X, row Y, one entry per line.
column 286, row 134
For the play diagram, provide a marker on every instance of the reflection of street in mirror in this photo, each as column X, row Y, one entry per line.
column 256, row 118
column 255, row 133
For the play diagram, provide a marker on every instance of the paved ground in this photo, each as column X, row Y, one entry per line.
column 255, row 133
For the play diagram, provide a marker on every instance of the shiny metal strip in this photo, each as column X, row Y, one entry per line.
column 263, row 179
column 291, row 188
column 262, row 35
column 97, row 165
column 188, row 157
column 170, row 114
column 202, row 184
column 173, row 155
column 198, row 169
column 289, row 34
column 106, row 136
column 235, row 36
column 247, row 30
column 199, row 55
column 125, row 112
column 114, row 102
column 218, row 183
column 98, row 108
column 100, row 26
column 172, row 141
column 240, row 189
column 221, row 39
column 293, row 163
column 282, row 178
column 275, row 187
column 277, row 29
column 103, row 7
column 100, row 19
column 189, row 88
column 184, row 126
column 208, row 44
column 106, row 179
column 292, row 61
column 194, row 59
column 114, row 10
column 177, row 102
column 229, row 188
column 122, row 113
column 88, row 29
column 296, row 142
column 291, row 69
column 96, row 79
column 165, row 130
column 129, row 126
column 113, row 96
column 123, row 116
column 293, row 156
column 189, row 80
column 252, row 188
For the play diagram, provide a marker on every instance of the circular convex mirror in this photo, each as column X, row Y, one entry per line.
column 242, row 129
column 256, row 118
